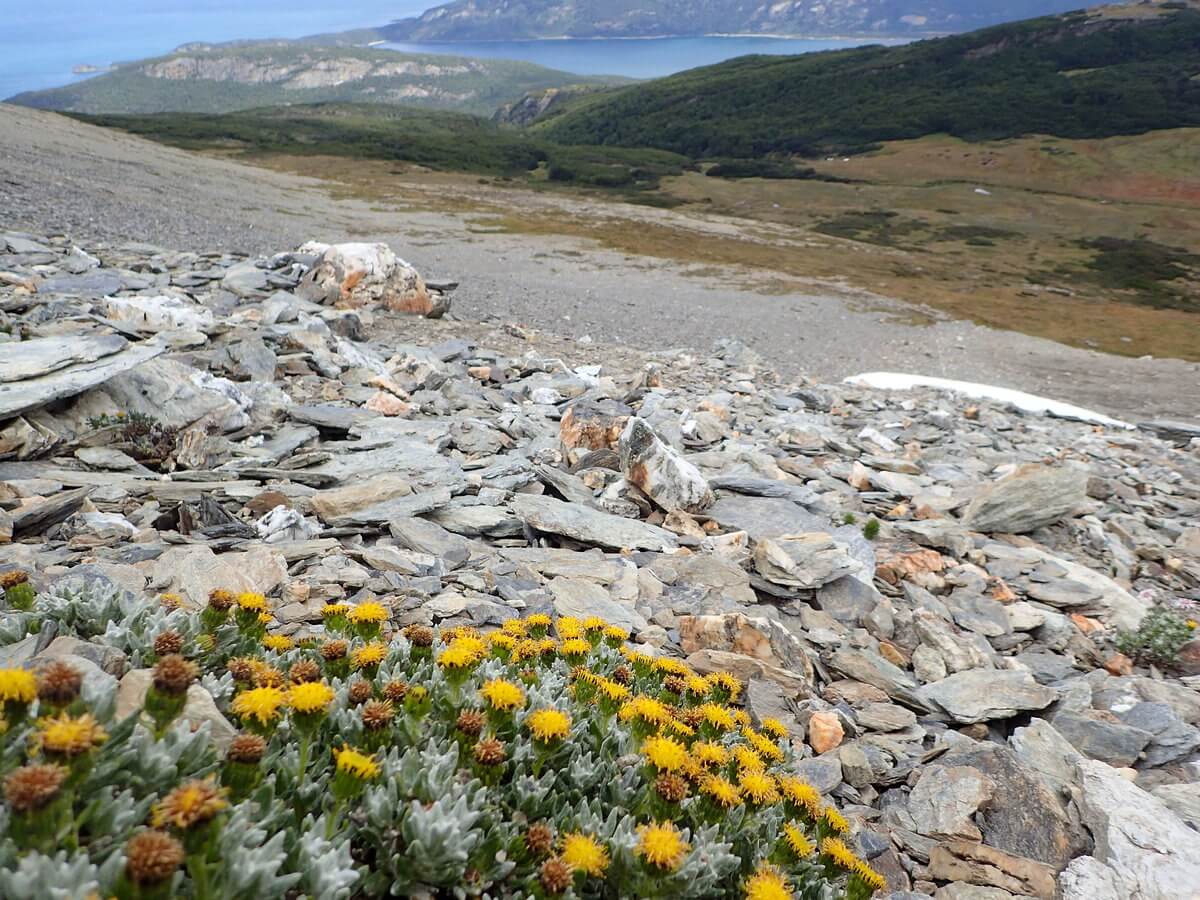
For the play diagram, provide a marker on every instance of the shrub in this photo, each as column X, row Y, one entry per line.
column 542, row 759
column 1159, row 638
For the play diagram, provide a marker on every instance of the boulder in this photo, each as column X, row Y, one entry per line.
column 803, row 561
column 945, row 799
column 350, row 276
column 589, row 525
column 1030, row 498
column 980, row 695
column 593, row 424
column 659, row 472
column 974, row 863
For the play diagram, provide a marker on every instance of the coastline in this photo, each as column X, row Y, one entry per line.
column 869, row 38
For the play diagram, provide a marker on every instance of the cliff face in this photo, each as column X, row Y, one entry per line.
column 514, row 19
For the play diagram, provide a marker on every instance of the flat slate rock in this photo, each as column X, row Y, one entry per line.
column 42, row 356
column 589, row 525
column 764, row 517
column 90, row 284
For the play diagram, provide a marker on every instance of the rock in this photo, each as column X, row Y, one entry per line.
column 945, row 799
column 1183, row 800
column 159, row 313
column 848, row 599
column 824, row 732
column 589, row 525
column 195, row 571
column 659, row 472
column 576, row 597
column 245, row 279
column 760, row 638
column 747, row 668
column 1149, row 850
column 1040, row 747
column 981, row 695
column 423, row 536
column 964, row 891
column 349, row 276
column 1030, row 498
column 885, row 717
column 973, row 863
column 803, row 560
column 338, row 502
column 60, row 381
column 1086, row 878
column 764, row 517
column 1098, row 735
column 593, row 425
column 822, row 772
column 42, row 356
column 199, row 710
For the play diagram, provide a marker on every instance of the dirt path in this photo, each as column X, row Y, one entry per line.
column 58, row 174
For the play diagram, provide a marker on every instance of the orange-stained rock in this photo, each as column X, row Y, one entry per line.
column 589, row 425
column 1119, row 664
column 825, row 732
column 388, row 404
column 917, row 565
column 1086, row 625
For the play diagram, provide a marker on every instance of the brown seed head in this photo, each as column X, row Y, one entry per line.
column 419, row 635
column 334, row 650
column 470, row 722
column 12, row 579
column 490, row 752
column 671, row 787
column 167, row 643
column 360, row 692
column 241, row 669
column 556, row 876
column 221, row 600
column 268, row 676
column 692, row 716
column 377, row 715
column 192, row 803
column 59, row 683
column 174, row 675
column 395, row 690
column 246, row 748
column 32, row 787
column 675, row 684
column 304, row 671
column 539, row 839
column 152, row 856
column 622, row 675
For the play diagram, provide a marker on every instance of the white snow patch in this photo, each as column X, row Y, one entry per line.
column 898, row 381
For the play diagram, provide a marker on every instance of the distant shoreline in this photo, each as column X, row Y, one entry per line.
column 675, row 37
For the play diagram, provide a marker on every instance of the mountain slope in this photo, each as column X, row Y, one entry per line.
column 465, row 20
column 224, row 78
column 1118, row 70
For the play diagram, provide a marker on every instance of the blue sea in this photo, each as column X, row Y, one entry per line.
column 40, row 43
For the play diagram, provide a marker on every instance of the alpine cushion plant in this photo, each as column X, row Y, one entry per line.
column 545, row 759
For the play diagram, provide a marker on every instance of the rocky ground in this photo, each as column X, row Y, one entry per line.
column 928, row 590
column 58, row 175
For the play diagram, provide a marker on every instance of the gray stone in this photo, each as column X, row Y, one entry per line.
column 589, row 525
column 580, row 598
column 848, row 599
column 423, row 536
column 823, row 772
column 804, row 561
column 945, row 799
column 1030, row 498
column 1086, row 878
column 981, row 695
column 195, row 571
column 1097, row 735
column 659, row 472
column 1040, row 747
column 1183, row 800
column 764, row 517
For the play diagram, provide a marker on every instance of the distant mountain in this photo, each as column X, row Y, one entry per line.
column 1113, row 70
column 208, row 78
column 479, row 20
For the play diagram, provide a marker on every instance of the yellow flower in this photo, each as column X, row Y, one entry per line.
column 637, row 658
column 613, row 633
column 503, row 695
column 329, row 610
column 796, row 840
column 747, row 759
column 190, row 804
column 17, row 686
column 371, row 613
column 260, row 703
column 514, row 627
column 503, row 640
column 265, row 618
column 458, row 655
column 721, row 791
column 661, row 845
column 568, row 627
column 758, row 786
column 727, row 682
column 679, row 727
column 278, row 643
column 774, row 728
column 594, row 623
column 698, row 685
column 68, row 735
column 548, row 725
column 802, row 794
column 709, row 754
column 647, row 709
column 538, row 620
column 742, row 718
column 841, row 855
column 371, row 654
column 670, row 666
column 835, row 820
column 576, row 647
column 665, row 754
column 872, row 879
column 583, row 853
column 717, row 716
column 170, row 601
column 1191, row 623
column 612, row 690
column 767, row 884
column 311, row 697
column 361, row 766
column 252, row 602
column 763, row 745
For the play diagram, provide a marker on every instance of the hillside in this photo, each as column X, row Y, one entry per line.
column 1116, row 70
column 205, row 78
column 465, row 20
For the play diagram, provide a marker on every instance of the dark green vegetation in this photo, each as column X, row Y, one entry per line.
column 248, row 75
column 1146, row 269
column 890, row 229
column 491, row 20
column 1077, row 76
column 439, row 140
